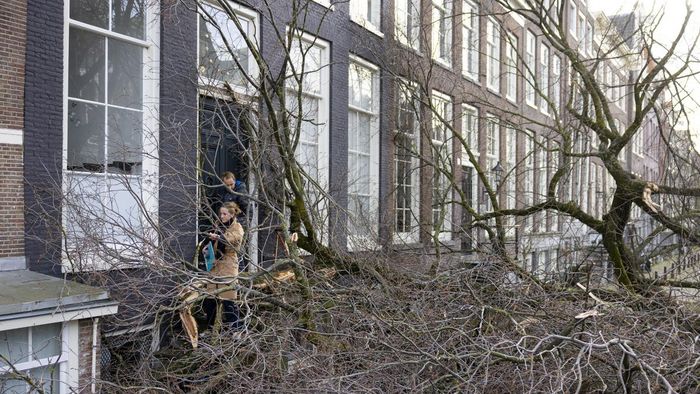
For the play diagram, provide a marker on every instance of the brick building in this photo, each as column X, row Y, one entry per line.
column 112, row 112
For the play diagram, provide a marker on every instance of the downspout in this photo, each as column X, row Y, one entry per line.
column 93, row 381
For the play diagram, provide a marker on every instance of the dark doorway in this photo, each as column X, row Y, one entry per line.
column 223, row 148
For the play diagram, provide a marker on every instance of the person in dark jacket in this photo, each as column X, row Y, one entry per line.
column 233, row 190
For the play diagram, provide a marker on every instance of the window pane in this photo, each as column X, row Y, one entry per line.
column 122, row 210
column 86, row 136
column 12, row 386
column 46, row 340
column 47, row 378
column 216, row 60
column 86, row 65
column 128, row 17
column 124, row 142
column 125, row 74
column 14, row 345
column 93, row 12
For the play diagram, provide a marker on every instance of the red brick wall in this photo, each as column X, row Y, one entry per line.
column 85, row 355
column 13, row 26
column 11, row 201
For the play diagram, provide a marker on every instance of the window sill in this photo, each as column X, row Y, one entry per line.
column 472, row 78
column 368, row 26
column 494, row 90
column 325, row 3
column 443, row 63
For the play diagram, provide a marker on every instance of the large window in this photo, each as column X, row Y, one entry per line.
column 307, row 102
column 224, row 56
column 442, row 31
column 470, row 130
column 528, row 178
column 408, row 23
column 512, row 67
column 493, row 53
column 530, row 67
column 589, row 38
column 442, row 158
column 493, row 145
column 556, row 83
column 544, row 79
column 573, row 17
column 406, row 163
column 110, row 106
column 37, row 351
column 510, row 175
column 363, row 147
column 367, row 13
column 470, row 40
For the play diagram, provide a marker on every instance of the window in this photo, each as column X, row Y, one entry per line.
column 442, row 31
column 573, row 14
column 581, row 26
column 470, row 40
column 528, row 179
column 613, row 89
column 441, row 142
column 408, row 23
column 544, row 79
column 366, row 13
column 110, row 141
column 218, row 32
column 470, row 130
column 589, row 38
column 512, row 67
column 510, row 175
column 38, row 352
column 530, row 66
column 556, row 83
column 541, row 150
column 307, row 103
column 493, row 51
column 363, row 146
column 406, row 163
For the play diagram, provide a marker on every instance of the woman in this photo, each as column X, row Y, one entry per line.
column 226, row 238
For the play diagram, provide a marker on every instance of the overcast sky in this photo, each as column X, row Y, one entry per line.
column 674, row 12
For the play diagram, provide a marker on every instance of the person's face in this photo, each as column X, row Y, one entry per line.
column 224, row 214
column 229, row 182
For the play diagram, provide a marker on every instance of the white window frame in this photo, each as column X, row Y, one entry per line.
column 322, row 120
column 149, row 177
column 581, row 29
column 407, row 25
column 544, row 79
column 368, row 239
column 493, row 55
column 510, row 175
column 511, row 64
column 253, row 71
column 413, row 235
column 439, row 98
column 556, row 83
column 361, row 9
column 470, row 131
column 573, row 18
column 67, row 361
column 530, row 68
column 529, row 176
column 589, row 38
column 470, row 40
column 440, row 8
column 493, row 151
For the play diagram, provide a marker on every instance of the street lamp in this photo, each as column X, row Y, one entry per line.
column 497, row 172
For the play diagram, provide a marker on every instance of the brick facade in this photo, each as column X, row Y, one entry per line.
column 85, row 330
column 13, row 20
column 11, row 202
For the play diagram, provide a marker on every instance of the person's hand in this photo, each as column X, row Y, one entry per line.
column 214, row 236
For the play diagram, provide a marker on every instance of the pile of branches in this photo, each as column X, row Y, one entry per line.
column 466, row 330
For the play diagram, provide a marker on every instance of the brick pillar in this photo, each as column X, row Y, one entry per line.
column 85, row 346
column 13, row 41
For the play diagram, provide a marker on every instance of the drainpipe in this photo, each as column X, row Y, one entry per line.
column 93, row 383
